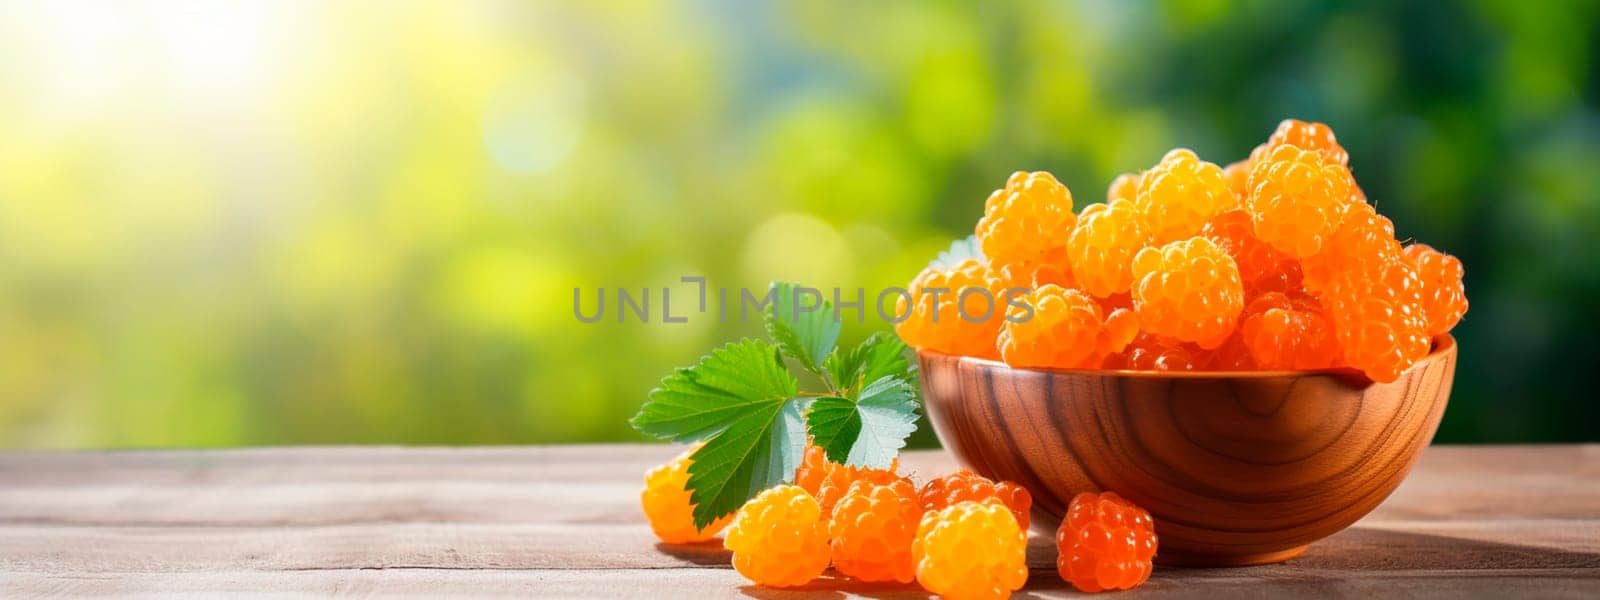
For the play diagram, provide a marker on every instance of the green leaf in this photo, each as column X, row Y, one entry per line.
column 879, row 356
column 698, row 402
column 869, row 430
column 958, row 251
column 759, row 450
column 742, row 402
column 804, row 333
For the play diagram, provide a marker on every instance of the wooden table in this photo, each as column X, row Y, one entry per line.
column 565, row 522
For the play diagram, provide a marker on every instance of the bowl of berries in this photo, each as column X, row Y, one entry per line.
column 1248, row 352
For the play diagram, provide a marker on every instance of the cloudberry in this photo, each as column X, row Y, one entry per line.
column 965, row 486
column 779, row 538
column 1120, row 327
column 1305, row 135
column 1285, row 332
column 1378, row 318
column 1261, row 268
column 668, row 506
column 971, row 550
column 1444, row 298
column 1238, row 176
column 1026, row 276
column 1026, row 220
column 872, row 527
column 1153, row 353
column 1121, row 324
column 1105, row 543
column 827, row 481
column 1297, row 199
column 1365, row 239
column 1102, row 246
column 1125, row 186
column 941, row 297
column 1056, row 327
column 1188, row 290
column 1178, row 195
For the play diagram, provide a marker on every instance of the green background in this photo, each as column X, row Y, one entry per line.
column 284, row 223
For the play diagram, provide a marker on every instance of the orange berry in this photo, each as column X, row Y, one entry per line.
column 1378, row 317
column 1125, row 186
column 1238, row 176
column 1188, row 290
column 1027, row 220
column 1363, row 240
column 1153, row 353
column 827, row 481
column 1444, row 298
column 1285, row 332
column 1062, row 328
column 1178, row 195
column 814, row 469
column 1105, row 543
column 873, row 527
column 668, row 506
column 1102, row 246
column 971, row 550
column 1297, row 199
column 1022, row 277
column 965, row 486
column 1261, row 268
column 954, row 311
column 1306, row 135
column 779, row 538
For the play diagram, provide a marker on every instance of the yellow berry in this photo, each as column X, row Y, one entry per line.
column 668, row 507
column 779, row 538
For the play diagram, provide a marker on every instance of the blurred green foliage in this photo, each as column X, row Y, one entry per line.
column 305, row 222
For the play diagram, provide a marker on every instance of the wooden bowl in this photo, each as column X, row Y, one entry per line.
column 1238, row 468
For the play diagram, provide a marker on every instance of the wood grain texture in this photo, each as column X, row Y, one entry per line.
column 563, row 522
column 1237, row 468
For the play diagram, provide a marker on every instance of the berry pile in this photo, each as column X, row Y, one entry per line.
column 960, row 535
column 1275, row 262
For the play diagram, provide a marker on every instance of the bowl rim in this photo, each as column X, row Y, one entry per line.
column 1442, row 344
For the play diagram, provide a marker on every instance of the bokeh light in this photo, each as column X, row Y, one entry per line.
column 276, row 222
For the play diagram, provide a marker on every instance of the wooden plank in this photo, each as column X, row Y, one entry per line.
column 291, row 503
column 563, row 521
column 311, row 464
column 1494, row 482
column 577, row 463
column 704, row 585
column 72, row 549
column 586, row 484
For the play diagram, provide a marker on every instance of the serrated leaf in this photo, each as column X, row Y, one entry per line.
column 743, row 402
column 869, row 430
column 698, row 402
column 758, row 450
column 958, row 251
column 879, row 356
column 887, row 357
column 805, row 334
